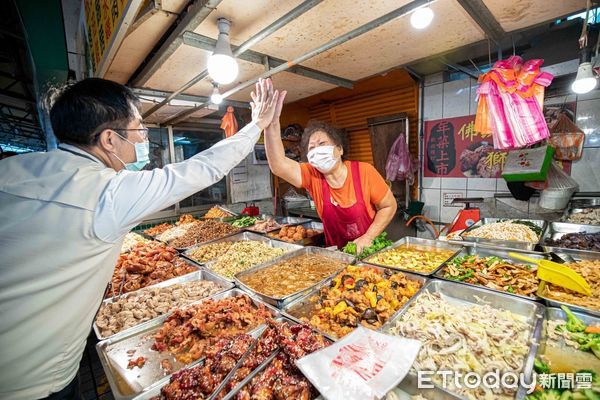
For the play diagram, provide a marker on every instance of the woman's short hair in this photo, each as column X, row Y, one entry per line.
column 337, row 135
column 79, row 112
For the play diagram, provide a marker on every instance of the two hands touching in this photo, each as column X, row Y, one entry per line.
column 266, row 104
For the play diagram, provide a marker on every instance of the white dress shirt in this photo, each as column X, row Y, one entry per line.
column 132, row 196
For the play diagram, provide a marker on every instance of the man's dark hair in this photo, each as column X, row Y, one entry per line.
column 338, row 136
column 89, row 106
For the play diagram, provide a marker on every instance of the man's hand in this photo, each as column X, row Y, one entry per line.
column 362, row 243
column 264, row 103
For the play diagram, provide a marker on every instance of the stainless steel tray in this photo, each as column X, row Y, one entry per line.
column 127, row 383
column 241, row 237
column 155, row 389
column 456, row 293
column 232, row 214
column 184, row 249
column 410, row 241
column 303, row 307
column 163, row 283
column 557, row 230
column 558, row 314
column 289, row 221
column 280, row 302
column 194, row 276
column 288, row 247
column 311, row 241
column 577, row 255
column 498, row 252
column 504, row 243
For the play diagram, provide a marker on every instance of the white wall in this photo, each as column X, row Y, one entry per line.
column 456, row 99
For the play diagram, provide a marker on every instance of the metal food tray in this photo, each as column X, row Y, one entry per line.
column 191, row 277
column 289, row 221
column 576, row 210
column 280, row 302
column 511, row 244
column 304, row 307
column 127, row 383
column 577, row 255
column 498, row 252
column 458, row 294
column 184, row 249
column 553, row 313
column 557, row 230
column 410, row 241
column 318, row 239
column 232, row 214
column 240, row 237
column 155, row 389
column 163, row 283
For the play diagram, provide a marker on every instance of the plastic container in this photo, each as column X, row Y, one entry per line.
column 555, row 199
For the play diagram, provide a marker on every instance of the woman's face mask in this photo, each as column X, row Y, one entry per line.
column 142, row 152
column 322, row 158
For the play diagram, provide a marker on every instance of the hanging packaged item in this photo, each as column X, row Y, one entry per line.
column 510, row 103
column 400, row 164
column 560, row 187
column 528, row 164
column 567, row 139
column 364, row 365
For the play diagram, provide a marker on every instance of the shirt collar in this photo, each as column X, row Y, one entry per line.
column 75, row 149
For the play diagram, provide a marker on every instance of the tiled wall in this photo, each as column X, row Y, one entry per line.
column 456, row 99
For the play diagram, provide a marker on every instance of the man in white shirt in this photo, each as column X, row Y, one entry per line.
column 63, row 217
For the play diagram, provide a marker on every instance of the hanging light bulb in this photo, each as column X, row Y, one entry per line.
column 216, row 97
column 222, row 66
column 421, row 17
column 585, row 81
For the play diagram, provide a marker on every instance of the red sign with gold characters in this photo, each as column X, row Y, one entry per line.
column 454, row 149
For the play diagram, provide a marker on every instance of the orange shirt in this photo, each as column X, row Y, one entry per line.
column 374, row 187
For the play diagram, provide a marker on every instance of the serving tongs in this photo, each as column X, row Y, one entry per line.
column 557, row 274
column 237, row 365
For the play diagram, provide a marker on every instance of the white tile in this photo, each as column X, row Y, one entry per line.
column 434, row 79
column 588, row 119
column 481, row 193
column 456, row 98
column 431, row 198
column 473, row 97
column 431, row 183
column 454, row 183
column 585, row 171
column 447, row 214
column 501, row 186
column 432, row 107
column 594, row 94
column 481, row 184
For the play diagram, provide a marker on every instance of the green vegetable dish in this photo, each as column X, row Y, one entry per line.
column 244, row 222
column 379, row 243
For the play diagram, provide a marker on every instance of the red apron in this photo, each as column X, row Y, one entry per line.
column 343, row 225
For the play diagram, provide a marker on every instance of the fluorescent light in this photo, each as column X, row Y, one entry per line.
column 421, row 17
column 222, row 67
column 585, row 81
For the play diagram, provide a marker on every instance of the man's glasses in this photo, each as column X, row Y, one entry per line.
column 143, row 131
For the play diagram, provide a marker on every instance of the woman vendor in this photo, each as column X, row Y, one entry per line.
column 351, row 197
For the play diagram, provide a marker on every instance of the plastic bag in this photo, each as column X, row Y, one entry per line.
column 560, row 188
column 567, row 139
column 363, row 365
column 400, row 164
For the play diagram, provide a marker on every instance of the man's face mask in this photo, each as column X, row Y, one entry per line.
column 142, row 151
column 322, row 158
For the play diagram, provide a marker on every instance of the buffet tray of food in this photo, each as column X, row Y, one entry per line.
column 415, row 255
column 338, row 305
column 522, row 234
column 206, row 252
column 220, row 213
column 138, row 358
column 494, row 269
column 582, row 215
column 571, row 236
column 306, row 234
column 118, row 314
column 457, row 322
column 283, row 279
column 587, row 264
